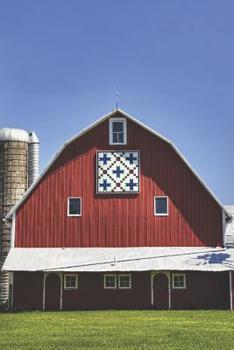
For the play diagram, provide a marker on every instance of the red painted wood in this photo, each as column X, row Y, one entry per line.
column 161, row 292
column 92, row 295
column 231, row 282
column 194, row 219
column 28, row 290
column 205, row 290
column 52, row 292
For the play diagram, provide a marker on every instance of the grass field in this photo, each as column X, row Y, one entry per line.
column 118, row 330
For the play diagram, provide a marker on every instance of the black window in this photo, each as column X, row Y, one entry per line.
column 117, row 131
column 161, row 206
column 179, row 281
column 70, row 281
column 74, row 206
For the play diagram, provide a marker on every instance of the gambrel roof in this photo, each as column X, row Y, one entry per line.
column 93, row 125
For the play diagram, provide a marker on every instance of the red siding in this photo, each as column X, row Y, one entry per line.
column 232, row 286
column 92, row 295
column 195, row 219
column 28, row 290
column 205, row 290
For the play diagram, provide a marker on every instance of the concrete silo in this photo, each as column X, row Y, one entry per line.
column 19, row 167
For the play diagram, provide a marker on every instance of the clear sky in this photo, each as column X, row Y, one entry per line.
column 171, row 60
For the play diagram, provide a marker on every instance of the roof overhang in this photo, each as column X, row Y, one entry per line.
column 93, row 125
column 120, row 259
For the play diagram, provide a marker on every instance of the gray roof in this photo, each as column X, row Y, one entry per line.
column 13, row 134
column 230, row 227
column 120, row 259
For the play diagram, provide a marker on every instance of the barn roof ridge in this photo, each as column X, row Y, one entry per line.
column 93, row 125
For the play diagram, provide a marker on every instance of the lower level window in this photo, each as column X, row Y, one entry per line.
column 125, row 282
column 179, row 281
column 70, row 281
column 110, row 282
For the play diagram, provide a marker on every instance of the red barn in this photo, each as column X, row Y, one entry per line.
column 119, row 219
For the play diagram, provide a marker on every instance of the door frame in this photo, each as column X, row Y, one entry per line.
column 168, row 274
column 46, row 274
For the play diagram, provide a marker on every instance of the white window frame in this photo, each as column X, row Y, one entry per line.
column 110, row 275
column 161, row 214
column 173, row 280
column 130, row 280
column 123, row 120
column 68, row 199
column 69, row 275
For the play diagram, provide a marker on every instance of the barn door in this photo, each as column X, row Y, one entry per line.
column 161, row 291
column 52, row 292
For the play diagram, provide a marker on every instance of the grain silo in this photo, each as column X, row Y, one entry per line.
column 19, row 167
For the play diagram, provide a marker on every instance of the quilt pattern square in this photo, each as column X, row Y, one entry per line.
column 118, row 172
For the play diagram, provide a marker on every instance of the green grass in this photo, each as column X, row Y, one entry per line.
column 182, row 330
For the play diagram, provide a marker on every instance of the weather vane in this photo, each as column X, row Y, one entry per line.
column 117, row 100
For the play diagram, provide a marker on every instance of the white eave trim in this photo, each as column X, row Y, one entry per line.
column 91, row 126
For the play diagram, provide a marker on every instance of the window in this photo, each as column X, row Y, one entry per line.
column 74, row 206
column 110, row 282
column 125, row 282
column 179, row 281
column 70, row 281
column 117, row 131
column 161, row 205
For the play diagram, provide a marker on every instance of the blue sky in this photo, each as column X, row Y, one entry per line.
column 171, row 60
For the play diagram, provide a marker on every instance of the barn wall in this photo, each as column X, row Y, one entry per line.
column 195, row 219
column 205, row 290
column 92, row 295
column 232, row 286
column 28, row 290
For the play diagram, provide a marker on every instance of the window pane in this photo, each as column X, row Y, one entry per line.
column 117, row 131
column 161, row 205
column 74, row 206
column 115, row 138
column 124, row 282
column 110, row 281
column 179, row 281
column 117, row 126
column 120, row 137
column 70, row 281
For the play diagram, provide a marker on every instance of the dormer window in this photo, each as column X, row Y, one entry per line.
column 117, row 131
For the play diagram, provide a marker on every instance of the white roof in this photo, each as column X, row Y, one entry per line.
column 12, row 134
column 100, row 120
column 120, row 259
column 230, row 228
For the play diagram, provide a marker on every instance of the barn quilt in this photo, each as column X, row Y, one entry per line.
column 118, row 172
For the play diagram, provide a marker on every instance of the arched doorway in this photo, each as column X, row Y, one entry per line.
column 52, row 291
column 161, row 291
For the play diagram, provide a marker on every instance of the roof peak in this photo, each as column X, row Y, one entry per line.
column 93, row 125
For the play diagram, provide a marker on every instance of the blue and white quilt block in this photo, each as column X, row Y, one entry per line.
column 118, row 172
